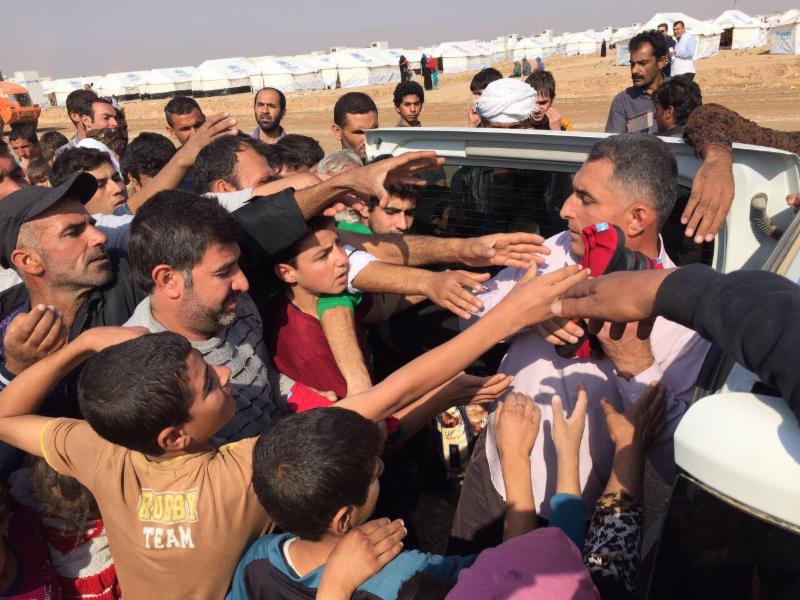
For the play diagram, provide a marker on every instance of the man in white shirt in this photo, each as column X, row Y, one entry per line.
column 629, row 180
column 683, row 52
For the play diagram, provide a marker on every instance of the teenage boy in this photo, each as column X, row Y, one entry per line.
column 408, row 99
column 151, row 403
column 545, row 115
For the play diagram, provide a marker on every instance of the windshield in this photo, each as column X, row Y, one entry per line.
column 712, row 547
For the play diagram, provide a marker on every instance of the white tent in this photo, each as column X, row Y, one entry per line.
column 125, row 85
column 356, row 67
column 64, row 87
column 707, row 35
column 741, row 30
column 164, row 83
column 458, row 57
column 785, row 36
column 585, row 42
column 527, row 48
column 287, row 74
column 222, row 76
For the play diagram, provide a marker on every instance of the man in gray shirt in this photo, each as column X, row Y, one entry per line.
column 632, row 109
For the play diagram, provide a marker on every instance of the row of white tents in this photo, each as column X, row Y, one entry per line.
column 344, row 68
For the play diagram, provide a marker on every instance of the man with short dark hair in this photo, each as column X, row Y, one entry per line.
column 184, row 117
column 269, row 108
column 25, row 145
column 110, row 193
column 353, row 114
column 231, row 164
column 50, row 142
column 304, row 146
column 408, row 100
column 79, row 102
column 145, row 157
column 663, row 29
column 184, row 253
column 632, row 109
column 683, row 52
column 480, row 80
column 675, row 101
column 630, row 181
column 101, row 116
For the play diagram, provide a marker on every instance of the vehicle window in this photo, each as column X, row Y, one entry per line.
column 713, row 548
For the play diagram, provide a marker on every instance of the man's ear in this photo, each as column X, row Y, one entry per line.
column 74, row 117
column 170, row 130
column 220, row 186
column 397, row 109
column 640, row 217
column 168, row 281
column 86, row 121
column 342, row 521
column 173, row 438
column 286, row 273
column 27, row 261
column 337, row 132
column 669, row 113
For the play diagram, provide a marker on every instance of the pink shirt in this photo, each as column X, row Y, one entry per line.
column 539, row 372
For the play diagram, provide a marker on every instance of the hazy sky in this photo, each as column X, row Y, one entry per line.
column 65, row 38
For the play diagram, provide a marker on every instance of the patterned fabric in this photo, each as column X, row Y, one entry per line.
column 712, row 124
column 614, row 540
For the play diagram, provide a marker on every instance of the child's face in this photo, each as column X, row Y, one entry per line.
column 543, row 104
column 364, row 512
column 212, row 398
column 321, row 264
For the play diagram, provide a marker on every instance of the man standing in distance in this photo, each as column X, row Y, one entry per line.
column 632, row 109
column 663, row 29
column 184, row 118
column 353, row 114
column 269, row 109
column 683, row 53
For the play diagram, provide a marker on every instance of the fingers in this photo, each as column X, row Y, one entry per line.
column 219, row 123
column 558, row 412
column 48, row 318
column 579, row 412
column 609, row 409
column 24, row 324
column 56, row 337
column 616, row 330
column 645, row 328
column 561, row 331
column 370, row 527
column 566, row 278
column 593, row 326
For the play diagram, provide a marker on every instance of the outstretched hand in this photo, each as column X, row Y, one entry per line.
column 642, row 422
column 216, row 126
column 472, row 389
column 518, row 250
column 100, row 338
column 33, row 335
column 453, row 290
column 712, row 195
column 516, row 425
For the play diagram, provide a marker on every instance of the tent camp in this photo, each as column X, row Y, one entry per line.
column 527, row 48
column 165, row 83
column 458, row 57
column 125, row 86
column 286, row 73
column 740, row 30
column 221, row 76
column 785, row 36
column 62, row 88
column 356, row 67
column 707, row 34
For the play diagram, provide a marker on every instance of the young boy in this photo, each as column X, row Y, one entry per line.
column 546, row 116
column 178, row 513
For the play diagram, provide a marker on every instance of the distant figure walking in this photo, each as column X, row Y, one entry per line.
column 405, row 69
column 517, row 72
column 539, row 63
column 426, row 73
column 434, row 69
column 526, row 66
column 603, row 49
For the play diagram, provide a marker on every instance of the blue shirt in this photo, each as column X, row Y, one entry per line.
column 385, row 584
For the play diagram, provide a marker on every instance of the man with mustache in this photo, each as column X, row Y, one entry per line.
column 269, row 108
column 632, row 110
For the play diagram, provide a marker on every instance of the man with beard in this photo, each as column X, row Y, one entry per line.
column 269, row 108
column 186, row 260
column 632, row 110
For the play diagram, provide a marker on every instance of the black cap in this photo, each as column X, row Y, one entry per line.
column 28, row 203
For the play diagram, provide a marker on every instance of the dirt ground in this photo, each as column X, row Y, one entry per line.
column 762, row 87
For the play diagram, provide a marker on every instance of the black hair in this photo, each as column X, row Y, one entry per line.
column 131, row 392
column 404, row 191
column 218, row 161
column 643, row 165
column 656, row 40
column 314, row 224
column 176, row 228
column 483, row 78
column 664, row 25
column 4, row 147
column 76, row 160
column 102, row 100
column 307, row 466
column 678, row 23
column 543, row 82
column 352, row 103
column 180, row 105
column 283, row 157
column 147, row 155
column 281, row 97
column 50, row 142
column 305, row 146
column 408, row 88
column 23, row 132
column 682, row 94
column 80, row 102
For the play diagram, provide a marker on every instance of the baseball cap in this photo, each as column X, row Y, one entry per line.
column 28, row 203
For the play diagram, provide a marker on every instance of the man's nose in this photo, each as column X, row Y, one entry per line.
column 566, row 211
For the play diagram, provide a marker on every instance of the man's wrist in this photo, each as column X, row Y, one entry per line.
column 632, row 368
column 717, row 153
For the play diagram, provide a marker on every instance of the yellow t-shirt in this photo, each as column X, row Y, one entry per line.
column 177, row 527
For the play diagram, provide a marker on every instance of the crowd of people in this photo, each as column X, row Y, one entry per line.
column 193, row 405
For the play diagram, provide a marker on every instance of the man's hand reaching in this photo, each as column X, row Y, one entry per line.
column 452, row 290
column 216, row 126
column 33, row 335
column 518, row 250
column 712, row 195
